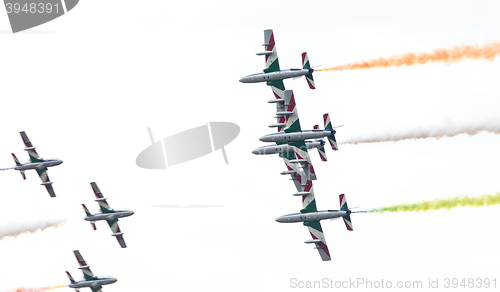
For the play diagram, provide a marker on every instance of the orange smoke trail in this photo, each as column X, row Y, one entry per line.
column 41, row 289
column 457, row 53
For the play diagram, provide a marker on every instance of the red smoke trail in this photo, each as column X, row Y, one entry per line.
column 40, row 289
column 457, row 53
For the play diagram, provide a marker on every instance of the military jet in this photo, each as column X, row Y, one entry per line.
column 285, row 148
column 111, row 216
column 37, row 163
column 311, row 218
column 296, row 134
column 272, row 75
column 90, row 281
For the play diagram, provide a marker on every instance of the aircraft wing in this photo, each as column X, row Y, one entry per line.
column 97, row 288
column 113, row 224
column 272, row 64
column 87, row 273
column 303, row 158
column 105, row 208
column 318, row 239
column 304, row 186
column 292, row 125
column 42, row 173
column 34, row 157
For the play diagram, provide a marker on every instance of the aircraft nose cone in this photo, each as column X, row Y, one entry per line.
column 244, row 79
column 255, row 151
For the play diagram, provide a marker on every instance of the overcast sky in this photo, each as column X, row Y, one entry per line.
column 86, row 86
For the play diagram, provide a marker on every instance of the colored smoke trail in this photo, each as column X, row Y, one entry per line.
column 447, row 203
column 456, row 54
column 17, row 228
column 41, row 289
column 444, row 129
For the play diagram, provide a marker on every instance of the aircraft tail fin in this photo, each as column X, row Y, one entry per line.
column 88, row 214
column 328, row 126
column 70, row 277
column 344, row 207
column 307, row 65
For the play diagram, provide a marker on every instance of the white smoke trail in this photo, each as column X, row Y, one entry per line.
column 447, row 128
column 13, row 229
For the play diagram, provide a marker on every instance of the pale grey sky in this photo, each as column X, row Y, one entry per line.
column 87, row 93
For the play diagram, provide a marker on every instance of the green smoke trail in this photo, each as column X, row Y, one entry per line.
column 447, row 203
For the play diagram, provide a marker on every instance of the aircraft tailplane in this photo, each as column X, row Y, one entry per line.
column 322, row 153
column 328, row 126
column 344, row 207
column 70, row 277
column 307, row 65
column 15, row 159
column 86, row 210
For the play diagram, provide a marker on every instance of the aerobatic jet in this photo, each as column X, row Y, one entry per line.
column 285, row 148
column 91, row 281
column 111, row 216
column 311, row 218
column 36, row 163
column 272, row 75
column 296, row 134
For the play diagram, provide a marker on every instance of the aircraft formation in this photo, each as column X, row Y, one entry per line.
column 107, row 213
column 292, row 144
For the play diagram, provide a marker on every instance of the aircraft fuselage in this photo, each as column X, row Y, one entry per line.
column 106, row 216
column 285, row 148
column 296, row 136
column 97, row 282
column 273, row 76
column 35, row 165
column 313, row 216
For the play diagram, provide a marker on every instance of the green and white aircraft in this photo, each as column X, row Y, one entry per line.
column 111, row 216
column 90, row 281
column 272, row 74
column 37, row 163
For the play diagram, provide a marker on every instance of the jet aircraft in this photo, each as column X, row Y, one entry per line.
column 36, row 163
column 285, row 148
column 91, row 281
column 311, row 218
column 272, row 75
column 111, row 216
column 296, row 134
